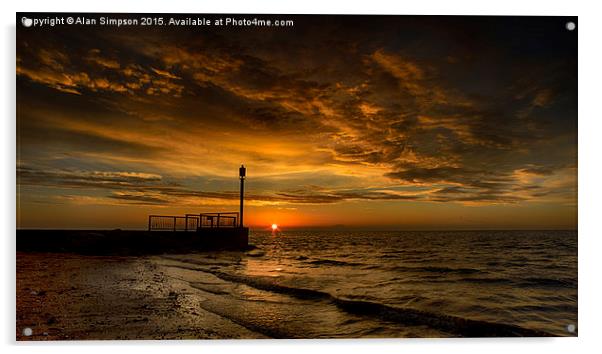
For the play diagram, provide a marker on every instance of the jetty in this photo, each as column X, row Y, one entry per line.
column 164, row 234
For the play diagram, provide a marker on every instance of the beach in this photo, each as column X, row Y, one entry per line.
column 73, row 297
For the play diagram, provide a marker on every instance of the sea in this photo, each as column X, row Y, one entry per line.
column 358, row 284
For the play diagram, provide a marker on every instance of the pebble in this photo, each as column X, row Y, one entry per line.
column 256, row 253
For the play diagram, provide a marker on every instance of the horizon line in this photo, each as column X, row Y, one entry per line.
column 320, row 228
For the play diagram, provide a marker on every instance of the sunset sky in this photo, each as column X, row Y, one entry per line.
column 374, row 122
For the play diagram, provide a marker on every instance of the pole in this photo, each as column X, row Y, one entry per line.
column 242, row 172
column 242, row 192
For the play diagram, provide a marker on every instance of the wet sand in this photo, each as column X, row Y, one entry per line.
column 74, row 297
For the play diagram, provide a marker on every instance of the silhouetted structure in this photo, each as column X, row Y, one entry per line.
column 222, row 229
column 196, row 222
column 165, row 234
column 242, row 172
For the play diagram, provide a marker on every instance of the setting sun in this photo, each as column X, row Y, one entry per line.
column 274, row 227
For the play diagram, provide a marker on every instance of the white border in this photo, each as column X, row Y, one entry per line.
column 589, row 172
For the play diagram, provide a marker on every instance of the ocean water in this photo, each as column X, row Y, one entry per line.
column 329, row 284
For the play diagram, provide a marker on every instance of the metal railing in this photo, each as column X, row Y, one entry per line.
column 229, row 219
column 192, row 222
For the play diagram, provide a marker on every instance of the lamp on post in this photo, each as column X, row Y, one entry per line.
column 242, row 172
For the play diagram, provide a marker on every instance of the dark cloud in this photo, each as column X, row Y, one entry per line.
column 139, row 199
column 144, row 188
column 81, row 179
column 474, row 114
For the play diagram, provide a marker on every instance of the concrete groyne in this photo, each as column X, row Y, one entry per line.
column 131, row 242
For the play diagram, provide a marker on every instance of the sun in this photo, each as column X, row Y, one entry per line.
column 274, row 227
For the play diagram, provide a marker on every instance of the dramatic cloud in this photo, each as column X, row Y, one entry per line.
column 393, row 111
column 144, row 188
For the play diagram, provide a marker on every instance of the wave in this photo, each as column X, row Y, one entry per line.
column 547, row 282
column 333, row 262
column 487, row 280
column 433, row 269
column 451, row 324
column 545, row 308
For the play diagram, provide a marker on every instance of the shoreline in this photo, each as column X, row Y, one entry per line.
column 73, row 297
column 308, row 286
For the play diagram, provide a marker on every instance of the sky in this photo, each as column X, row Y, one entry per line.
column 383, row 122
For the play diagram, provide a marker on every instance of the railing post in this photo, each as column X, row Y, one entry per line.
column 174, row 223
column 186, row 223
column 218, row 215
column 149, row 222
